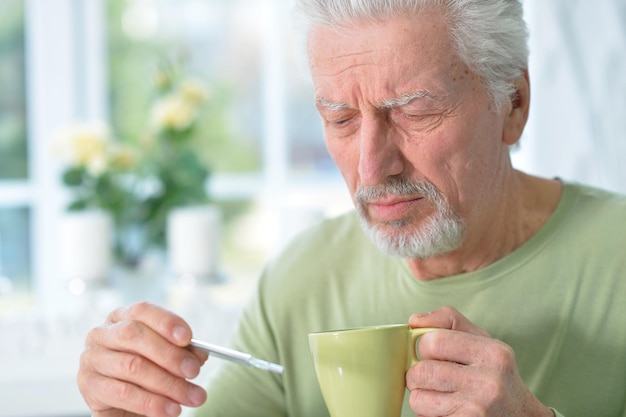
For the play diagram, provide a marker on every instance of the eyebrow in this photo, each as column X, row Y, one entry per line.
column 406, row 99
column 386, row 104
column 330, row 105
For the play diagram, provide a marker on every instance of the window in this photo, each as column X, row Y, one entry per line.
column 13, row 150
column 67, row 61
column 15, row 219
column 261, row 127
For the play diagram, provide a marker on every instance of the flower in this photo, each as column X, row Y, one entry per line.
column 123, row 158
column 139, row 180
column 194, row 91
column 173, row 113
column 95, row 163
column 178, row 110
column 84, row 145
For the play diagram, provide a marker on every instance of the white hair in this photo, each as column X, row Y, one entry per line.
column 490, row 36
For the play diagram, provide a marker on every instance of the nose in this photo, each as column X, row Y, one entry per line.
column 379, row 157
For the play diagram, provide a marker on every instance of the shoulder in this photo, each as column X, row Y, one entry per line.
column 591, row 225
column 591, row 193
column 594, row 206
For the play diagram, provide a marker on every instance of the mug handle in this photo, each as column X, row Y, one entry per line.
column 414, row 335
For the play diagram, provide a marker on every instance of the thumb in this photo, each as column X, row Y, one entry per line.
column 446, row 318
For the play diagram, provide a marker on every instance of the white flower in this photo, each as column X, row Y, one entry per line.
column 195, row 91
column 97, row 164
column 84, row 145
column 173, row 113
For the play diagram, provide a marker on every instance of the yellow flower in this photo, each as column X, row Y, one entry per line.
column 84, row 145
column 195, row 91
column 123, row 158
column 173, row 113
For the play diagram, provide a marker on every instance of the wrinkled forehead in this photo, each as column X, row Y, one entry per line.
column 337, row 18
column 414, row 39
column 384, row 62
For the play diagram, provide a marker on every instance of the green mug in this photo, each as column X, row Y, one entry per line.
column 361, row 371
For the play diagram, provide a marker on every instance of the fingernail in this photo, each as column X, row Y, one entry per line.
column 181, row 335
column 189, row 368
column 173, row 409
column 417, row 316
column 196, row 395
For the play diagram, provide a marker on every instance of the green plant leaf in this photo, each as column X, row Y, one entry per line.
column 74, row 177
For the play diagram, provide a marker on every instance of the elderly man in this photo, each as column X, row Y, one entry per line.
column 420, row 101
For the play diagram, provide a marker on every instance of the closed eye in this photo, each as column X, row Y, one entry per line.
column 338, row 119
column 416, row 122
column 342, row 126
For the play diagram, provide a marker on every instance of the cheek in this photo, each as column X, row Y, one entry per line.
column 451, row 161
column 467, row 170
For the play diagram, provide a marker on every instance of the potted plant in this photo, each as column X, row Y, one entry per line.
column 140, row 182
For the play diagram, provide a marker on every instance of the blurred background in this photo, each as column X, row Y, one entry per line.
column 103, row 74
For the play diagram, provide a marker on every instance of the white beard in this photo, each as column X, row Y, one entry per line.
column 441, row 234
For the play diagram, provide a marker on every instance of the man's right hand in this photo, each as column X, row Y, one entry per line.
column 137, row 363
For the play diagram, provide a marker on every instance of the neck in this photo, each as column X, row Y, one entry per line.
column 517, row 215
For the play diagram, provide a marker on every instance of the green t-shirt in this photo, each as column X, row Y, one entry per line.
column 559, row 301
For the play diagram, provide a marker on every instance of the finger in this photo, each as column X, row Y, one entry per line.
column 200, row 354
column 135, row 337
column 432, row 375
column 446, row 318
column 160, row 320
column 468, row 391
column 120, row 395
column 167, row 324
column 142, row 373
column 466, row 349
column 444, row 388
column 427, row 403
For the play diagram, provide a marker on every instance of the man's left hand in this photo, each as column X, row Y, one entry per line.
column 465, row 372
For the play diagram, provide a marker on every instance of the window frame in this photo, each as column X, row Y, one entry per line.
column 67, row 82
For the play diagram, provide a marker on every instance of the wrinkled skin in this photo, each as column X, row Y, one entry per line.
column 449, row 134
column 464, row 372
column 137, row 364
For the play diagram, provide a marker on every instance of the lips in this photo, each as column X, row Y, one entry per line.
column 393, row 209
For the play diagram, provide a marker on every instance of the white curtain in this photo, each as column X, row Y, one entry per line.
column 577, row 127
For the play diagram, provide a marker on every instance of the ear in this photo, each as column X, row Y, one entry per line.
column 515, row 120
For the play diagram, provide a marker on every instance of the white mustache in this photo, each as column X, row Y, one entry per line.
column 396, row 187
